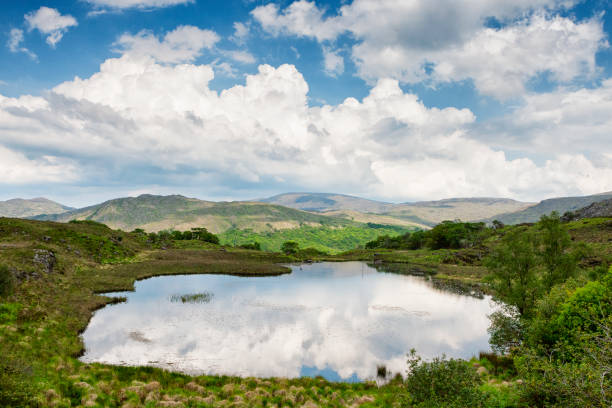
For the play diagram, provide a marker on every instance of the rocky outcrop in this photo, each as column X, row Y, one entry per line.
column 45, row 258
column 595, row 210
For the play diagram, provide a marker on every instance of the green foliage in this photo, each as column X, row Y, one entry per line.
column 290, row 247
column 6, row 280
column 443, row 383
column 555, row 242
column 505, row 331
column 512, row 266
column 328, row 239
column 447, row 235
column 16, row 388
column 454, row 234
column 255, row 246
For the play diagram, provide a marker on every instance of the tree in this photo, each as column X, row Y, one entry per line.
column 560, row 264
column 512, row 266
column 290, row 247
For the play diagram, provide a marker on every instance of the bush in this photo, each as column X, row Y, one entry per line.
column 443, row 383
column 290, row 247
column 6, row 280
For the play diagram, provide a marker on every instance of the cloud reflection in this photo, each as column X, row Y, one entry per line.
column 336, row 317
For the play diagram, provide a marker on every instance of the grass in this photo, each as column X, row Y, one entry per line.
column 40, row 321
column 192, row 298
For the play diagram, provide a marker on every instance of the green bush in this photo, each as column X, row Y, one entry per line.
column 443, row 383
column 290, row 247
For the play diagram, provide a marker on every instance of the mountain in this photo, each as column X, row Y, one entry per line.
column 322, row 202
column 154, row 213
column 20, row 208
column 425, row 213
column 545, row 207
column 464, row 209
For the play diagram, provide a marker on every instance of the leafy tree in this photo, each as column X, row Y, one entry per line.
column 202, row 234
column 512, row 266
column 560, row 264
column 290, row 247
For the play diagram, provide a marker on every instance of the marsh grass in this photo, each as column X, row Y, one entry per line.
column 204, row 297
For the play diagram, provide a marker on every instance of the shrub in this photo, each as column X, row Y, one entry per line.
column 290, row 247
column 442, row 382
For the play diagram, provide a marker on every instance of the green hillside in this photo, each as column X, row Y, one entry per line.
column 560, row 205
column 20, row 208
column 327, row 239
column 155, row 213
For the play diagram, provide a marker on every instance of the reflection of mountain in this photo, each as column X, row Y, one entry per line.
column 328, row 318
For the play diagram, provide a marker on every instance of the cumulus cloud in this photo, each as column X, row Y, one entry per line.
column 389, row 144
column 440, row 41
column 241, row 56
column 15, row 42
column 50, row 22
column 183, row 44
column 124, row 4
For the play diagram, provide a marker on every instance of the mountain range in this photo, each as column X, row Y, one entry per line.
column 288, row 211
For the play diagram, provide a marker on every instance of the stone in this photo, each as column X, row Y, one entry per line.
column 45, row 258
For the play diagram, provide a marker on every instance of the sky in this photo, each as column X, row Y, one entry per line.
column 395, row 100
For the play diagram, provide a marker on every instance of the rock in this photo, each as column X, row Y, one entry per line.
column 46, row 238
column 482, row 370
column 363, row 399
column 45, row 258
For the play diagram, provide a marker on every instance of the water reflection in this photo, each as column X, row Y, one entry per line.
column 339, row 320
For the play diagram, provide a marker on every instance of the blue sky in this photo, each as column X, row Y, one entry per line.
column 243, row 99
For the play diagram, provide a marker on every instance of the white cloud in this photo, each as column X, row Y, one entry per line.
column 16, row 168
column 241, row 33
column 124, row 4
column 183, row 44
column 241, row 56
column 333, row 62
column 138, row 112
column 49, row 21
column 439, row 41
column 565, row 120
column 15, row 41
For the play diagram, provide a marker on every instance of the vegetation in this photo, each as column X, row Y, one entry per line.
column 327, row 239
column 446, row 235
column 552, row 340
column 192, row 298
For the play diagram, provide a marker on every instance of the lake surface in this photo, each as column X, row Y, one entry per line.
column 339, row 320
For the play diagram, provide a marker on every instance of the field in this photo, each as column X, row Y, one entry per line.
column 63, row 267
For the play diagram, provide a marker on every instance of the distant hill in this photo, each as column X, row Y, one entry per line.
column 323, row 202
column 464, row 209
column 154, row 213
column 425, row 213
column 545, row 207
column 22, row 208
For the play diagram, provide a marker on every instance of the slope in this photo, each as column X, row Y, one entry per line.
column 21, row 208
column 154, row 213
column 545, row 207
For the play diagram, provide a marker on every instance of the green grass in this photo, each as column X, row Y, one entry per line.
column 330, row 239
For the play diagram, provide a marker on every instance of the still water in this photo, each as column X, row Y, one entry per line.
column 339, row 320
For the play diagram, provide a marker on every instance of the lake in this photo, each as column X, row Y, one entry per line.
column 339, row 320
